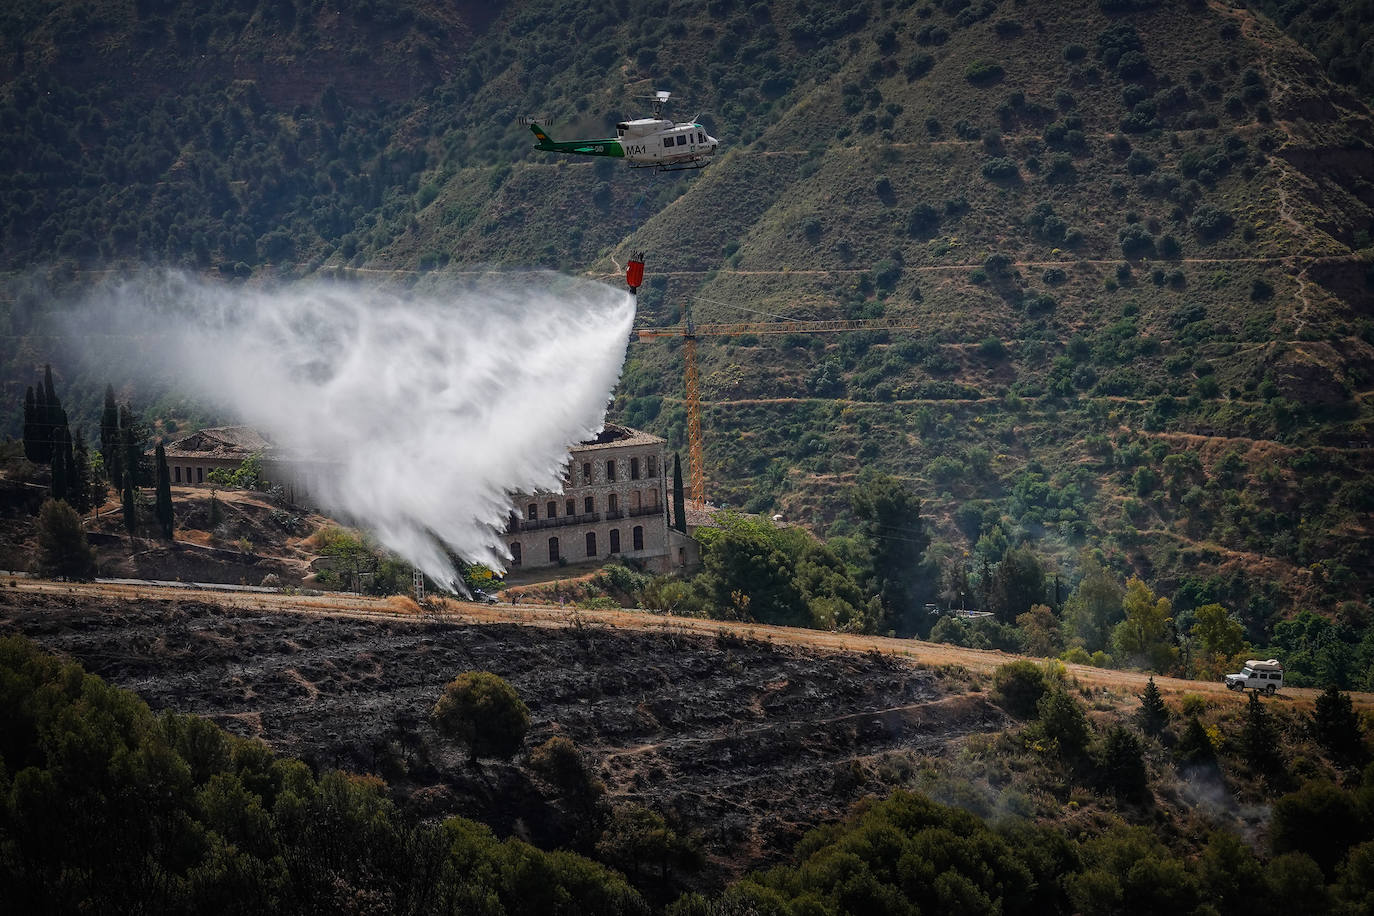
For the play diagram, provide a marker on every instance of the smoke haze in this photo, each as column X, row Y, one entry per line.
column 416, row 411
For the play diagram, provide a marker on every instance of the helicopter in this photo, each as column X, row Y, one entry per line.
column 645, row 143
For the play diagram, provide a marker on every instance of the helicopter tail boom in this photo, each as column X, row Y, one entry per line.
column 608, row 147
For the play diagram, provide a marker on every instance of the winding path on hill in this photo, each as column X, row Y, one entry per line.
column 397, row 608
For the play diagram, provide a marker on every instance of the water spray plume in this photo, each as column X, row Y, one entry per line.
column 417, row 412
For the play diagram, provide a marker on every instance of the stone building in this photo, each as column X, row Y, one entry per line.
column 192, row 457
column 614, row 504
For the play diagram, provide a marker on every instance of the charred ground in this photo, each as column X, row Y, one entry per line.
column 739, row 741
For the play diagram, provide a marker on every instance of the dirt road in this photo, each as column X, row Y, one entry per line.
column 395, row 608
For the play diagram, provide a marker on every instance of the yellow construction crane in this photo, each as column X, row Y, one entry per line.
column 689, row 332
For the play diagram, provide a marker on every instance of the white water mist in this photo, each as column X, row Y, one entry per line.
column 417, row 412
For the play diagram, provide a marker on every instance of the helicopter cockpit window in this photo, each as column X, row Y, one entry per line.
column 700, row 137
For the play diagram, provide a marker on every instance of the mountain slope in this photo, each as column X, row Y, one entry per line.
column 1135, row 237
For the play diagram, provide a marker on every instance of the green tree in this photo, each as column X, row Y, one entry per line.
column 1144, row 635
column 163, row 504
column 111, row 450
column 1320, row 820
column 129, row 506
column 1121, row 764
column 1293, row 883
column 679, row 496
column 31, row 427
column 637, row 839
column 1195, row 744
column 349, row 554
column 1018, row 686
column 1095, row 608
column 80, row 485
column 132, row 434
column 1040, row 631
column 1337, row 728
column 1259, row 738
column 1153, row 715
column 61, row 464
column 484, row 712
column 897, row 542
column 1229, row 872
column 1060, row 719
column 1218, row 637
column 1018, row 582
column 50, row 418
column 748, row 572
column 63, row 552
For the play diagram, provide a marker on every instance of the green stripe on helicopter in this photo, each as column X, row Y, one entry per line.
column 608, row 147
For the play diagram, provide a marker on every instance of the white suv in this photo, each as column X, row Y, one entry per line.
column 1266, row 676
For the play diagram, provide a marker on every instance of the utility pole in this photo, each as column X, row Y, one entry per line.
column 418, row 579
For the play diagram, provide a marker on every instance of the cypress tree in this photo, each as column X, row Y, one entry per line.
column 130, row 462
column 61, row 469
column 30, row 425
column 130, row 510
column 1153, row 715
column 42, row 436
column 55, row 417
column 164, row 493
column 109, row 436
column 679, row 496
column 79, row 475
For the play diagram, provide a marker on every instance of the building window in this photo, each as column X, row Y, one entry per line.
column 570, row 507
column 615, row 540
column 515, row 553
column 178, row 470
column 591, row 543
column 610, row 470
column 586, row 472
column 589, row 505
column 651, row 466
column 552, row 508
column 639, row 537
column 188, row 475
column 553, row 550
column 634, row 468
column 532, row 511
column 612, row 502
column 200, row 475
column 653, row 497
column 634, row 500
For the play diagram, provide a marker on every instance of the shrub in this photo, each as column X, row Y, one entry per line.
column 923, row 220
column 63, row 552
column 918, row 66
column 484, row 712
column 1001, row 169
column 1139, row 164
column 1210, row 222
column 992, row 348
column 1018, row 687
column 1135, row 240
column 983, row 72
